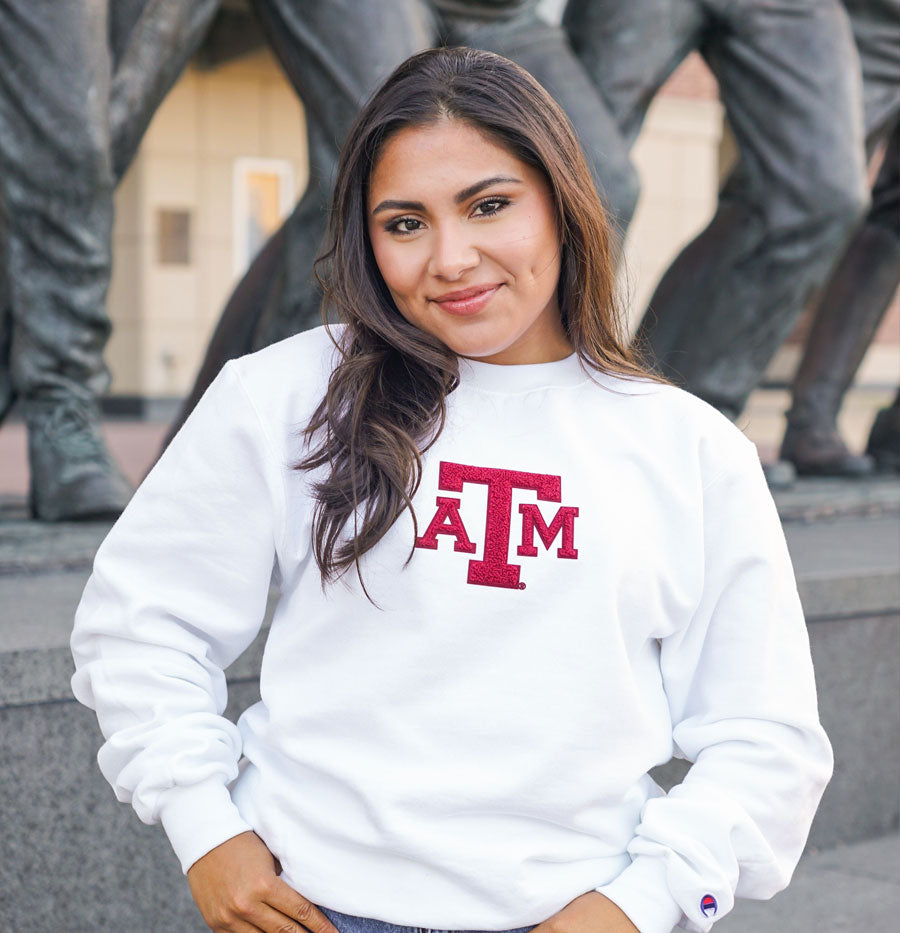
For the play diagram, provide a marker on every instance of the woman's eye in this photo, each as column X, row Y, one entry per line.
column 404, row 225
column 490, row 206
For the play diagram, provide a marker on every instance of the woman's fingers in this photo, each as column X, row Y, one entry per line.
column 239, row 926
column 236, row 889
column 296, row 915
column 270, row 920
column 294, row 905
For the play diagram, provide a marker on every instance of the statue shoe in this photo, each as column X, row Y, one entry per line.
column 821, row 452
column 884, row 440
column 73, row 476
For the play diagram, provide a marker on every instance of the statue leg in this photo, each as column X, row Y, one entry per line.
column 630, row 47
column 878, row 37
column 544, row 50
column 150, row 42
column 56, row 192
column 7, row 395
column 861, row 286
column 876, row 30
column 335, row 53
column 851, row 308
column 789, row 78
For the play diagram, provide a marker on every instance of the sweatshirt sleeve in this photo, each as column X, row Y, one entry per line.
column 178, row 591
column 740, row 688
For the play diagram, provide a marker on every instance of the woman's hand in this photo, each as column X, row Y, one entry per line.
column 589, row 913
column 236, row 888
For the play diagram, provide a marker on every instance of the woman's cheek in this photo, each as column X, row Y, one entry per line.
column 386, row 262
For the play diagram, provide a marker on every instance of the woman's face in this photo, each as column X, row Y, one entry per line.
column 465, row 237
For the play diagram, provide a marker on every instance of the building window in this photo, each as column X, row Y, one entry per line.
column 263, row 197
column 173, row 237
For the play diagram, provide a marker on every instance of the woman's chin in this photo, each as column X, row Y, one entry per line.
column 481, row 354
column 475, row 349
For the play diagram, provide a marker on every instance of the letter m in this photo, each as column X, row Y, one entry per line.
column 533, row 520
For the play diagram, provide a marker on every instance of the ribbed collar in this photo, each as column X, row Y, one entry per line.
column 491, row 377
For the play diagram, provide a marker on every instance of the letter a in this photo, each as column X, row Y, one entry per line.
column 447, row 521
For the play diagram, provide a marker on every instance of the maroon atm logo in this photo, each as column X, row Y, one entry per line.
column 493, row 569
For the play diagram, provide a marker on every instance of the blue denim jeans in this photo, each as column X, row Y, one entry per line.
column 350, row 924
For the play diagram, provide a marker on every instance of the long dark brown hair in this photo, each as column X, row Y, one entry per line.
column 385, row 403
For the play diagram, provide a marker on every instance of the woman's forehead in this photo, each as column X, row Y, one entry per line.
column 441, row 157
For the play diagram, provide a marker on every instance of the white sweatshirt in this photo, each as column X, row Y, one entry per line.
column 600, row 581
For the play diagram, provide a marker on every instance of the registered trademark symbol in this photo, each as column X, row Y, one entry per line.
column 521, row 586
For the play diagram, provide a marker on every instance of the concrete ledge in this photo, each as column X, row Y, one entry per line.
column 35, row 661
column 857, row 664
column 846, row 568
column 35, row 547
column 42, row 675
column 811, row 499
column 828, row 596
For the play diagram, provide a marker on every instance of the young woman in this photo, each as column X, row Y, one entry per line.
column 515, row 574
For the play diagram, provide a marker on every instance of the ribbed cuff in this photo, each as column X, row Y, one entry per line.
column 641, row 891
column 199, row 817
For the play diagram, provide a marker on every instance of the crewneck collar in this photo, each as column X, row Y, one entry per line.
column 525, row 377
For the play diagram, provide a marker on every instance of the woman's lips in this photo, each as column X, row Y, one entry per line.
column 467, row 301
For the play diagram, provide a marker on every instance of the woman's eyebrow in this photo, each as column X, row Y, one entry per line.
column 464, row 195
column 399, row 206
column 467, row 193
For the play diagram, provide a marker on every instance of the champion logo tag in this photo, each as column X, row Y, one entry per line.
column 708, row 905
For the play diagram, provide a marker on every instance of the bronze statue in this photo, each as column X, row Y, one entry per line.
column 717, row 316
column 860, row 287
column 789, row 80
column 71, row 116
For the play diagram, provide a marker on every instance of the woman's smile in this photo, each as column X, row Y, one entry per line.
column 467, row 300
column 466, row 239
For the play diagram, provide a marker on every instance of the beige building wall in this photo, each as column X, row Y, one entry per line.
column 163, row 313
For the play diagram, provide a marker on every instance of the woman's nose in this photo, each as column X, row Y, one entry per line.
column 453, row 252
